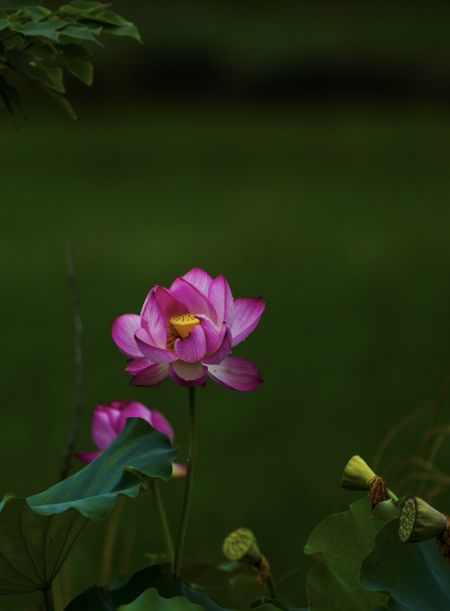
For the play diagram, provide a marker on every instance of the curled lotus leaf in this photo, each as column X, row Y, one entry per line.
column 37, row 532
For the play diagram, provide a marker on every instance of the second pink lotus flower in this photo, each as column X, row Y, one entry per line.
column 187, row 332
column 109, row 420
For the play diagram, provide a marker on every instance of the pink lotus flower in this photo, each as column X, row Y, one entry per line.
column 109, row 420
column 187, row 332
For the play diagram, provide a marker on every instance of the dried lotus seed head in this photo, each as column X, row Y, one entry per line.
column 241, row 544
column 407, row 519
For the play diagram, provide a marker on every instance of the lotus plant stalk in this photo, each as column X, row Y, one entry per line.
column 187, row 332
column 177, row 565
column 79, row 369
column 160, row 507
column 110, row 542
column 48, row 600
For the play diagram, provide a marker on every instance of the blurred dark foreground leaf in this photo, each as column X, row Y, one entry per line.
column 37, row 532
column 152, row 600
column 268, row 604
column 414, row 574
column 158, row 584
column 158, row 577
column 340, row 543
column 236, row 586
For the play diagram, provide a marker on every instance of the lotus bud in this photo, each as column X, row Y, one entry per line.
column 359, row 476
column 241, row 546
column 420, row 521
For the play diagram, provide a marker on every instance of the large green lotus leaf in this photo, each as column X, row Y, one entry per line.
column 36, row 533
column 152, row 600
column 158, row 577
column 340, row 543
column 415, row 575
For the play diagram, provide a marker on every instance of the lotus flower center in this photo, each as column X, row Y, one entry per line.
column 184, row 323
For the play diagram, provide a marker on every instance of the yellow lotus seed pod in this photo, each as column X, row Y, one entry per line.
column 241, row 546
column 184, row 324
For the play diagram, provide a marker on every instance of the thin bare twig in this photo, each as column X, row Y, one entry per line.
column 409, row 419
column 288, row 574
column 434, row 409
column 79, row 373
column 433, row 492
column 432, row 451
column 394, row 431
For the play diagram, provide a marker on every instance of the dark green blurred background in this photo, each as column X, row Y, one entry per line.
column 303, row 151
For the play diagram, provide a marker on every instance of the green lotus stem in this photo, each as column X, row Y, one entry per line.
column 391, row 495
column 127, row 550
column 163, row 519
column 79, row 370
column 110, row 541
column 48, row 600
column 57, row 592
column 188, row 487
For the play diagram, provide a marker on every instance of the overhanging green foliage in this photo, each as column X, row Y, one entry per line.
column 40, row 45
